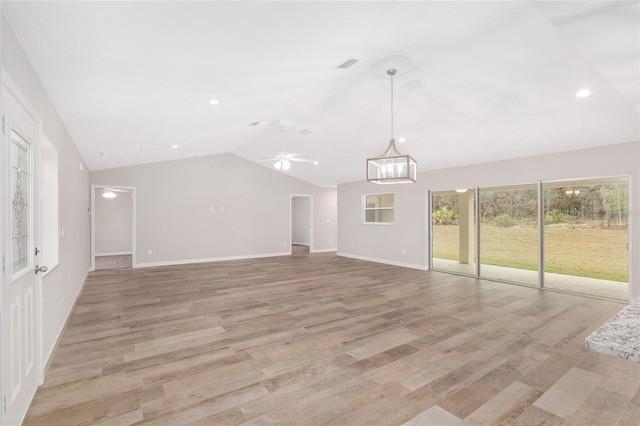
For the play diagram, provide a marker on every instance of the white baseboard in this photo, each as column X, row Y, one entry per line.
column 385, row 261
column 211, row 259
column 47, row 358
column 115, row 253
column 323, row 250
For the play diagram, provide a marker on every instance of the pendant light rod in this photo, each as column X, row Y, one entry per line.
column 391, row 72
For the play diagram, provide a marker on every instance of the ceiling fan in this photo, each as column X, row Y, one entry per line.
column 283, row 159
column 111, row 192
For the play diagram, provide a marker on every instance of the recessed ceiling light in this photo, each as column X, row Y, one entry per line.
column 583, row 93
column 316, row 163
column 214, row 102
column 175, row 146
column 401, row 140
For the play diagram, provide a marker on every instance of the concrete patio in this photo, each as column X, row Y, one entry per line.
column 574, row 284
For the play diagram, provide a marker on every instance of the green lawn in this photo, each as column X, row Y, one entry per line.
column 581, row 251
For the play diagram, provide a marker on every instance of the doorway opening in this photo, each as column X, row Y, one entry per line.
column 301, row 223
column 113, row 227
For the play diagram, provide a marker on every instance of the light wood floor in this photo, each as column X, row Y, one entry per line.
column 317, row 339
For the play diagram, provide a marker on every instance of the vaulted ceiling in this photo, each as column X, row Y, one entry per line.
column 487, row 81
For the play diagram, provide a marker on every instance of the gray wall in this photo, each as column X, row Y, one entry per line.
column 114, row 223
column 217, row 207
column 61, row 286
column 406, row 242
column 300, row 220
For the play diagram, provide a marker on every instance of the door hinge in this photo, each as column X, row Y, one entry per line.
column 3, row 267
column 4, row 403
column 4, row 124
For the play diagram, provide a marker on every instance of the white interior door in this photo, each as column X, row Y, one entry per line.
column 21, row 293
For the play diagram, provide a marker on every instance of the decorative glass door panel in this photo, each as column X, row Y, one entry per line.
column 21, row 199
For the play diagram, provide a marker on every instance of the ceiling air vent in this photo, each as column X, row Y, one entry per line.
column 349, row 63
column 118, row 152
column 305, row 131
column 254, row 124
column 413, row 85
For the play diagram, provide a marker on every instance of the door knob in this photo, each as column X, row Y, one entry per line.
column 42, row 269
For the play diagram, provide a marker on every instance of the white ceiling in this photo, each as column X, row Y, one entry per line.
column 498, row 78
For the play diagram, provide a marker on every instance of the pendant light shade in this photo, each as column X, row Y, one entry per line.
column 391, row 166
column 109, row 194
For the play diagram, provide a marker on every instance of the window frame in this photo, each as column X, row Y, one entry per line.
column 366, row 209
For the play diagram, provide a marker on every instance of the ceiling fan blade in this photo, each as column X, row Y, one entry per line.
column 269, row 155
column 303, row 160
column 293, row 155
column 267, row 159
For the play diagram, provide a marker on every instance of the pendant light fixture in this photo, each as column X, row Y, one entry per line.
column 391, row 166
column 109, row 194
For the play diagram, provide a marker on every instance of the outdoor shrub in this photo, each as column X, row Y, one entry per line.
column 556, row 216
column 444, row 216
column 504, row 221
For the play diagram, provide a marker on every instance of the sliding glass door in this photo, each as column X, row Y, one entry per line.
column 586, row 235
column 509, row 233
column 582, row 226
